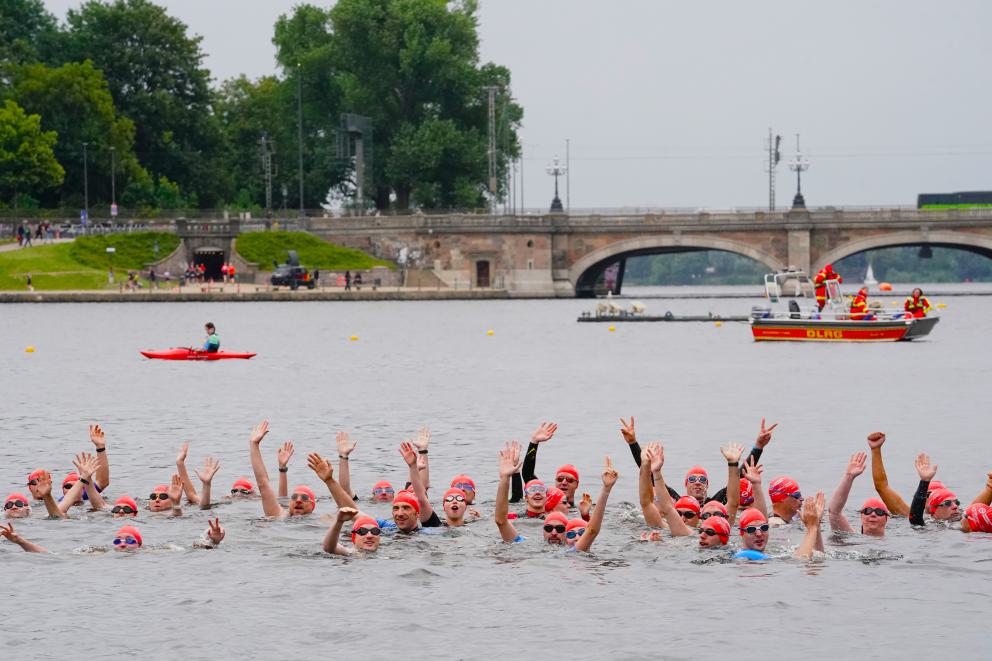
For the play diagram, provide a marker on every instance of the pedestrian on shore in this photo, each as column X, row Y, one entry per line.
column 358, row 281
column 347, row 280
column 20, row 234
column 110, row 275
column 152, row 280
column 30, row 288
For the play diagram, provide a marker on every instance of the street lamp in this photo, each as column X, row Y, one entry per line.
column 556, row 169
column 86, row 182
column 299, row 128
column 798, row 165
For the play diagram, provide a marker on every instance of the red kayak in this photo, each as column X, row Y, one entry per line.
column 185, row 353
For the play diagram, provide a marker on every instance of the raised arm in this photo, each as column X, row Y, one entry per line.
column 99, row 440
column 332, row 540
column 421, row 443
column 855, row 467
column 544, row 432
column 985, row 497
column 283, row 455
column 87, row 465
column 8, row 532
column 926, row 471
column 630, row 436
column 325, row 471
column 176, row 495
column 76, row 491
column 584, row 543
column 206, row 475
column 664, row 499
column 812, row 514
column 191, row 496
column 409, row 454
column 752, row 473
column 892, row 500
column 270, row 503
column 345, row 448
column 45, row 490
column 732, row 453
column 509, row 464
column 645, row 488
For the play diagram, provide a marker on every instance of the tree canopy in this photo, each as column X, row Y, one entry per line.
column 27, row 162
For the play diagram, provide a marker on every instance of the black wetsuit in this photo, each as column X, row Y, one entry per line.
column 917, row 508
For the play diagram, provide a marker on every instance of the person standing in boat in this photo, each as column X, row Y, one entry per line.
column 859, row 306
column 917, row 304
column 820, row 283
column 212, row 344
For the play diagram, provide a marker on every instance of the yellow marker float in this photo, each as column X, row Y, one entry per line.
column 28, row 349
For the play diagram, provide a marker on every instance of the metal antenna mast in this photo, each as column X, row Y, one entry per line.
column 774, row 156
column 266, row 154
column 492, row 89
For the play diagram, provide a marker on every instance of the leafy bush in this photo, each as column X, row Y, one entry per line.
column 265, row 247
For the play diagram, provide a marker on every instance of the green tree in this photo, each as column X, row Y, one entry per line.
column 28, row 33
column 74, row 102
column 413, row 67
column 155, row 74
column 27, row 162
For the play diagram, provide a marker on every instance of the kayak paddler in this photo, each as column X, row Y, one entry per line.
column 212, row 344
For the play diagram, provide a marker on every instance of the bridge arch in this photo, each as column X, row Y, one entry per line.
column 590, row 265
column 943, row 238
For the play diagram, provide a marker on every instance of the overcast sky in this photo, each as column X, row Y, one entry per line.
column 669, row 103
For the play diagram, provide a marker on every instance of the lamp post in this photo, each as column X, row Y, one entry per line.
column 299, row 128
column 86, row 182
column 113, row 175
column 556, row 169
column 798, row 165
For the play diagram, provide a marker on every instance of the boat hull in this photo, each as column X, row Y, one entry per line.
column 812, row 330
column 182, row 353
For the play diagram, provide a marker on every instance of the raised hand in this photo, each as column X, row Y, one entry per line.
column 585, row 505
column 45, row 484
column 856, row 466
column 509, row 459
column 988, row 482
column 610, row 474
column 408, row 453
column 423, row 439
column 812, row 511
column 86, row 464
column 347, row 513
column 97, row 437
column 320, row 466
column 657, row 457
column 345, row 444
column 923, row 467
column 765, row 434
column 8, row 532
column 544, row 432
column 284, row 454
column 752, row 471
column 876, row 439
column 259, row 432
column 215, row 531
column 176, row 490
column 627, row 430
column 183, row 451
column 732, row 452
column 210, row 468
column 651, row 536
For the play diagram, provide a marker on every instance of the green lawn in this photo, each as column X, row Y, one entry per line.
column 83, row 263
column 264, row 247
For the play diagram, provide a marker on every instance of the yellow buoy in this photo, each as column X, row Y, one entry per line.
column 611, row 328
column 354, row 337
column 942, row 305
column 28, row 349
column 489, row 332
column 719, row 323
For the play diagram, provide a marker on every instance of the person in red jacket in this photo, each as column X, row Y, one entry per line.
column 820, row 282
column 917, row 304
column 859, row 306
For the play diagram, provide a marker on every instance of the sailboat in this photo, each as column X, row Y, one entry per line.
column 870, row 277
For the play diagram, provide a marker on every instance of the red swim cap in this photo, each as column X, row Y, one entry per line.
column 454, row 491
column 126, row 500
column 937, row 496
column 875, row 502
column 697, row 470
column 130, row 530
column 747, row 492
column 308, row 491
column 407, row 497
column 935, row 484
column 462, row 479
column 71, row 477
column 979, row 516
column 554, row 498
column 243, row 483
column 719, row 525
column 556, row 516
column 36, row 474
column 382, row 484
column 687, row 503
column 570, row 470
column 18, row 496
column 715, row 505
column 781, row 488
column 160, row 488
column 575, row 523
column 749, row 516
column 362, row 521
column 532, row 483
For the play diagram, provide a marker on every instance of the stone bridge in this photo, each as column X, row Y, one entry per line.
column 565, row 256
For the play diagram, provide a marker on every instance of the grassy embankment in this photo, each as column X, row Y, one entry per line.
column 264, row 247
column 82, row 264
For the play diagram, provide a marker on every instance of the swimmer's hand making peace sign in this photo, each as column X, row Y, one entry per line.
column 610, row 474
column 765, row 435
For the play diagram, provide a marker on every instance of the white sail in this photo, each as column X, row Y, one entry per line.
column 870, row 277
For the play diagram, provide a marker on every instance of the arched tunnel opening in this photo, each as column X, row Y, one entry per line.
column 669, row 266
column 919, row 263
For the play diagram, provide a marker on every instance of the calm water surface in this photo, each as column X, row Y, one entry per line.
column 269, row 592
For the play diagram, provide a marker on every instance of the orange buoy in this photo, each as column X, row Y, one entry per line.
column 885, row 287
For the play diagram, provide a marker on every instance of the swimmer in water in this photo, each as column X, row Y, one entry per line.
column 580, row 534
column 77, row 482
column 455, row 507
column 16, row 506
column 556, row 501
column 465, row 483
column 714, row 532
column 812, row 515
column 205, row 475
column 366, row 535
column 942, row 504
column 555, row 523
column 123, row 507
column 167, row 497
column 978, row 515
column 893, row 501
column 383, row 492
column 127, row 539
column 544, row 432
column 302, row 502
column 874, row 512
column 242, row 488
column 754, row 535
column 786, row 499
column 345, row 447
column 567, row 480
column 8, row 532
